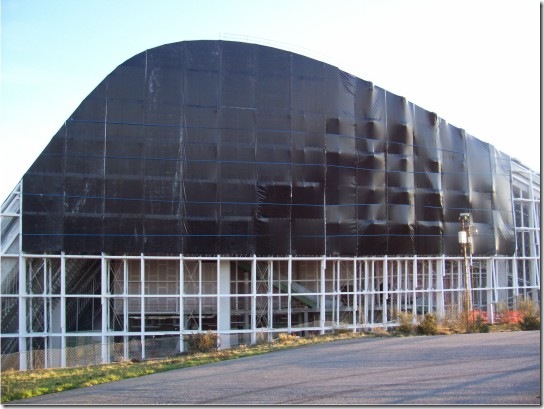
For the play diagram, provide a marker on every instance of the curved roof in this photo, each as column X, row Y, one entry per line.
column 214, row 147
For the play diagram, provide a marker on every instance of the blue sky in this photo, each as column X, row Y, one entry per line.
column 476, row 63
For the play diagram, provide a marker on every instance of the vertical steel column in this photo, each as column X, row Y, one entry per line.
column 50, row 306
column 181, row 306
column 440, row 274
column 125, row 309
column 515, row 277
column 430, row 270
column 63, row 310
column 414, row 288
column 223, row 302
column 218, row 296
column 534, row 242
column 490, row 301
column 373, row 291
column 246, row 304
column 45, row 315
column 405, row 276
column 200, row 294
column 289, row 279
column 365, row 293
column 397, row 290
column 30, row 314
column 47, row 355
column 270, row 300
column 23, row 355
column 142, row 304
column 360, row 290
column 336, row 292
column 385, row 292
column 355, row 288
column 105, row 307
column 495, row 282
column 322, row 313
column 254, row 300
column 338, row 289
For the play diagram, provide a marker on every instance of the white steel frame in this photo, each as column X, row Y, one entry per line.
column 351, row 293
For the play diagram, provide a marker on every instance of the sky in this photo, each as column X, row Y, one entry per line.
column 475, row 63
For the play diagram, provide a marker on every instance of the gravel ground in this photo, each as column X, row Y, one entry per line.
column 472, row 369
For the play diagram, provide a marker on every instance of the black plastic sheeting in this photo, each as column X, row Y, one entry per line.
column 212, row 147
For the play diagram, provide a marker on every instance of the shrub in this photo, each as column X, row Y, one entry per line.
column 466, row 322
column 455, row 320
column 510, row 317
column 530, row 322
column 480, row 324
column 202, row 342
column 529, row 316
column 428, row 325
column 474, row 321
column 501, row 313
column 406, row 323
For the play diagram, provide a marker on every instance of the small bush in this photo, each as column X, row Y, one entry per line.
column 428, row 325
column 475, row 321
column 406, row 323
column 454, row 320
column 530, row 322
column 529, row 316
column 466, row 322
column 202, row 342
column 480, row 324
column 501, row 313
column 510, row 317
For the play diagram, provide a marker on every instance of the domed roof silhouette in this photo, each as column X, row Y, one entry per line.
column 217, row 147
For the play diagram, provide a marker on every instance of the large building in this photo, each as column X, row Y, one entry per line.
column 242, row 189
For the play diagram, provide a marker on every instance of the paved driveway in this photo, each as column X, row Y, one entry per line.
column 496, row 368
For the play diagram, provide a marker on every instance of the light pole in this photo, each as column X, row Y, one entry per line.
column 465, row 240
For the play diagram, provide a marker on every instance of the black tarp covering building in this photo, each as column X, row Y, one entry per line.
column 213, row 147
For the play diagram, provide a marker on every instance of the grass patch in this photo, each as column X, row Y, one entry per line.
column 26, row 384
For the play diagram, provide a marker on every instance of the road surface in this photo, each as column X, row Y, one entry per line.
column 482, row 369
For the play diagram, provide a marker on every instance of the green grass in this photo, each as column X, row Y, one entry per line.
column 26, row 384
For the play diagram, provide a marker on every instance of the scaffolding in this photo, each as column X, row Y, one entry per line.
column 62, row 310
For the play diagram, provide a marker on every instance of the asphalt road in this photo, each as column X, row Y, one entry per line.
column 481, row 369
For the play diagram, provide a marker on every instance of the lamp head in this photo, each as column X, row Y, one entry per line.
column 464, row 217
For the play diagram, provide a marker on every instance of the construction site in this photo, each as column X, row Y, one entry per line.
column 249, row 191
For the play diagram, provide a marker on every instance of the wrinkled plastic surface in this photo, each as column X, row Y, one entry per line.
column 212, row 147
